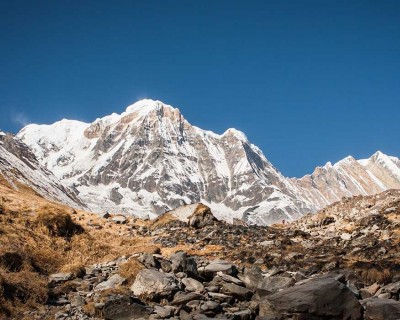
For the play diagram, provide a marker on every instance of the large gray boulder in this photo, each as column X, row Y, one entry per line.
column 320, row 297
column 182, row 263
column 381, row 309
column 153, row 283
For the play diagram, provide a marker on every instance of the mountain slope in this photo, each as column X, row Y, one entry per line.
column 19, row 167
column 150, row 159
column 350, row 177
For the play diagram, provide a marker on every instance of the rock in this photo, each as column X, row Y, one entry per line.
column 119, row 219
column 220, row 266
column 345, row 236
column 267, row 243
column 112, row 282
column 201, row 217
column 164, row 312
column 193, row 285
column 230, row 279
column 153, row 283
column 251, row 277
column 381, row 309
column 241, row 315
column 105, row 215
column 220, row 297
column 386, row 295
column 392, row 288
column 148, row 260
column 210, row 306
column 237, row 291
column 57, row 278
column 76, row 300
column 124, row 308
column 182, row 298
column 273, row 284
column 182, row 263
column 166, row 266
column 373, row 288
column 320, row 297
column 365, row 293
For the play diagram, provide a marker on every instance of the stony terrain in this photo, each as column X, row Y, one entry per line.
column 342, row 263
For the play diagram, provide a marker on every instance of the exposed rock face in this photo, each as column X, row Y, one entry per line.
column 350, row 177
column 150, row 159
column 19, row 165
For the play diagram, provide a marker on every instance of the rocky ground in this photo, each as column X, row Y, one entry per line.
column 342, row 263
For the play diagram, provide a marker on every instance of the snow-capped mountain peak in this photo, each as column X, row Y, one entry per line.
column 149, row 159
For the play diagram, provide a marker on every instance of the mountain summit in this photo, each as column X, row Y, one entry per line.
column 150, row 159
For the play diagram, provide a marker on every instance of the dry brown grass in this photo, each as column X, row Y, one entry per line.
column 162, row 221
column 38, row 237
column 130, row 269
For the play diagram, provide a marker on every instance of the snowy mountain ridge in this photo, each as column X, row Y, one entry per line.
column 19, row 166
column 149, row 159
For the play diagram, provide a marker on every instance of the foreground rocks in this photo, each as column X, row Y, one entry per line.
column 217, row 289
column 322, row 267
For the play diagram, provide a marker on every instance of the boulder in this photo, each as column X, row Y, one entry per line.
column 181, row 298
column 201, row 217
column 181, row 262
column 192, row 285
column 120, row 307
column 237, row 291
column 153, row 283
column 251, row 277
column 273, row 284
column 112, row 282
column 381, row 309
column 57, row 278
column 320, row 297
column 223, row 266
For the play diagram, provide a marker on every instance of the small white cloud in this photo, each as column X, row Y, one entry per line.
column 21, row 119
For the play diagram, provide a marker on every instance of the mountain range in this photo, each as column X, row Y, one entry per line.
column 150, row 159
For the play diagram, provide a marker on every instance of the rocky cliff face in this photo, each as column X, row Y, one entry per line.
column 350, row 177
column 19, row 167
column 149, row 160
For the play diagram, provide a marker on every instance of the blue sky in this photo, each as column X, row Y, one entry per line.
column 306, row 81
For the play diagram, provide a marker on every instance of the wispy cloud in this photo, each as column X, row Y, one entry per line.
column 20, row 119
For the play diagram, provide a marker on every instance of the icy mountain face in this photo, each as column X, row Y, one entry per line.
column 149, row 160
column 19, row 166
column 350, row 177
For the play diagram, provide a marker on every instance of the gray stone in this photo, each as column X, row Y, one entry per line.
column 237, row 291
column 273, row 284
column 112, row 282
column 320, row 297
column 193, row 285
column 119, row 219
column 220, row 266
column 57, row 278
column 151, row 282
column 252, row 278
column 228, row 278
column 182, row 298
column 381, row 309
column 182, row 263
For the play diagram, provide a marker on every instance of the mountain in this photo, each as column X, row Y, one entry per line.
column 20, row 168
column 350, row 177
column 150, row 159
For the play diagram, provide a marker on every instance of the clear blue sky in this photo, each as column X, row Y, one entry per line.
column 306, row 81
